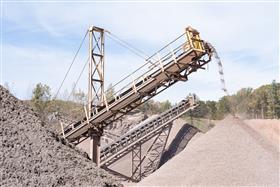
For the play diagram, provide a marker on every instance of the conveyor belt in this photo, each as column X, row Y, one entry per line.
column 174, row 66
column 144, row 132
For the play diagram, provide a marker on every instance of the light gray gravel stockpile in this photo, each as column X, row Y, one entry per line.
column 33, row 156
column 229, row 154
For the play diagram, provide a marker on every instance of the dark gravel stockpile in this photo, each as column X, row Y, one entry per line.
column 33, row 156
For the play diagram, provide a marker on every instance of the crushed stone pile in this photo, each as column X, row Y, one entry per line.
column 268, row 128
column 31, row 155
column 230, row 154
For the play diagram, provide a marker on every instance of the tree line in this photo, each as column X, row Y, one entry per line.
column 43, row 103
column 263, row 102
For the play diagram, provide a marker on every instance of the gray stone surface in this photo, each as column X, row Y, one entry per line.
column 31, row 155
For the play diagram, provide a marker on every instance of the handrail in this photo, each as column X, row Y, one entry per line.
column 170, row 59
column 165, row 60
column 148, row 62
column 142, row 76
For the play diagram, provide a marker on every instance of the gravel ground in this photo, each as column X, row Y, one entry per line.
column 230, row 154
column 268, row 128
column 33, row 156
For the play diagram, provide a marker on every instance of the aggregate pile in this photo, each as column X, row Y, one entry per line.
column 268, row 128
column 31, row 155
column 230, row 154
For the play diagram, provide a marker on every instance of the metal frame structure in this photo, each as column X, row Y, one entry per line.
column 136, row 155
column 96, row 91
column 131, row 142
column 174, row 66
column 144, row 132
column 96, row 97
column 155, row 152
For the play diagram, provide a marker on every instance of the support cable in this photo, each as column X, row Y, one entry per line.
column 80, row 46
column 130, row 74
column 166, row 46
column 128, row 46
column 76, row 82
column 131, row 48
column 148, row 60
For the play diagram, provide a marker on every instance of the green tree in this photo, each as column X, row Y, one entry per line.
column 41, row 96
column 163, row 106
column 147, row 107
column 155, row 107
column 223, row 107
column 273, row 101
column 260, row 96
column 239, row 101
column 201, row 111
column 212, row 109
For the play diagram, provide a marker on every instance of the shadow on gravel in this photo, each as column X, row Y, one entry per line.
column 179, row 143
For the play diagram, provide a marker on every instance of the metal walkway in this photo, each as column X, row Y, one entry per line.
column 170, row 67
column 144, row 132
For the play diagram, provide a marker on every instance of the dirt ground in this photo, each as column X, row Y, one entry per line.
column 233, row 153
column 31, row 155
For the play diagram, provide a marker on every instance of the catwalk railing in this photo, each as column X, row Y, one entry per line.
column 171, row 66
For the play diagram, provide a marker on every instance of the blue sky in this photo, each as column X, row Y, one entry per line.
column 39, row 41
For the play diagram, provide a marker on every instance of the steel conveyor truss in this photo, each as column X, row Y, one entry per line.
column 144, row 132
column 170, row 67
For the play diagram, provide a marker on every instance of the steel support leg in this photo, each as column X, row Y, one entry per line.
column 136, row 162
column 95, row 148
column 154, row 153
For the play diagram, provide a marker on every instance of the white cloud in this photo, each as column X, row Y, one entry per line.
column 245, row 35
